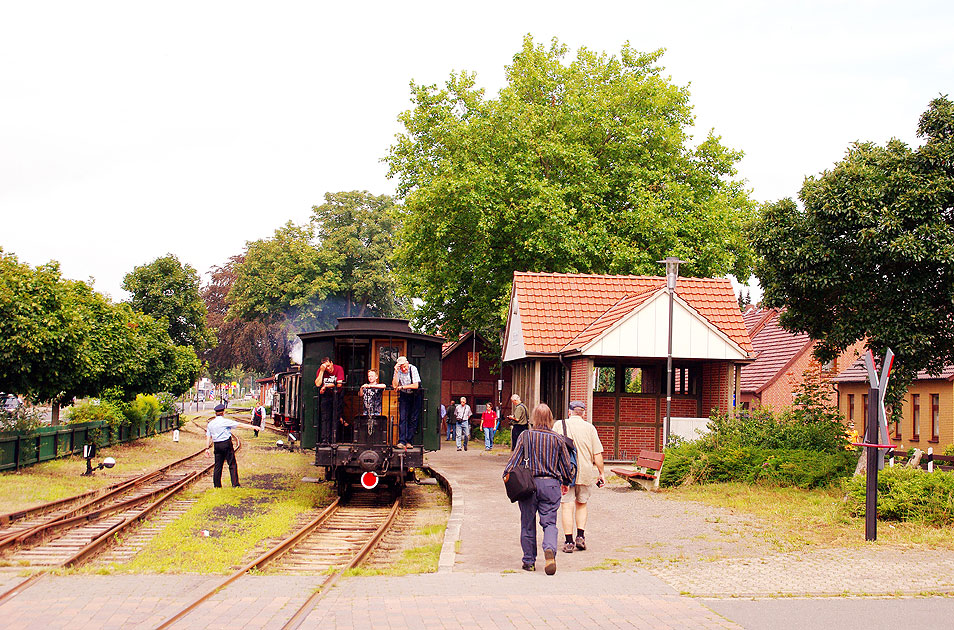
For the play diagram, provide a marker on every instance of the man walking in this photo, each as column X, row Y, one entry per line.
column 218, row 434
column 463, row 413
column 407, row 382
column 519, row 419
column 451, row 420
column 589, row 463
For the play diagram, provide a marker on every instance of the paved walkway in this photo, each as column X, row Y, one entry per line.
column 653, row 552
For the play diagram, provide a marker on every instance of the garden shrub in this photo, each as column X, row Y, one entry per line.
column 103, row 411
column 906, row 494
column 20, row 420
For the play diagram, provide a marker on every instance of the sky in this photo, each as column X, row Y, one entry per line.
column 129, row 130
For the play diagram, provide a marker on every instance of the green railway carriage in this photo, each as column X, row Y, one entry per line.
column 363, row 448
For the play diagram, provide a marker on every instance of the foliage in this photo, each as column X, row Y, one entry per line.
column 102, row 411
column 907, row 494
column 870, row 256
column 337, row 265
column 579, row 167
column 167, row 403
column 143, row 411
column 257, row 344
column 168, row 291
column 22, row 419
column 803, row 446
column 695, row 462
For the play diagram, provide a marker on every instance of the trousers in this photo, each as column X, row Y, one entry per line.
column 545, row 502
column 224, row 453
column 409, row 410
column 515, row 431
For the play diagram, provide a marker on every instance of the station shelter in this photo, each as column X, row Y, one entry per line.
column 604, row 340
column 266, row 390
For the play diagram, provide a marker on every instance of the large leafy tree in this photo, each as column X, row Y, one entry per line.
column 257, row 345
column 309, row 275
column 168, row 291
column 870, row 254
column 584, row 166
column 60, row 340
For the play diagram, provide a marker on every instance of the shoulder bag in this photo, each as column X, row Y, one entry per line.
column 519, row 482
column 571, row 448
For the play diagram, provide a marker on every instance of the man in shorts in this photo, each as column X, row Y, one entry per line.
column 589, row 463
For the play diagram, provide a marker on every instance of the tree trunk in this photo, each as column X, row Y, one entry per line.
column 55, row 416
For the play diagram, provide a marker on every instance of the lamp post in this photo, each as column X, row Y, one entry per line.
column 672, row 272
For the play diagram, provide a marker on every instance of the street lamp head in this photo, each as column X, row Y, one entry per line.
column 672, row 270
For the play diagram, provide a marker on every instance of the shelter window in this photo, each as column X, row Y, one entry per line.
column 604, row 380
column 686, row 380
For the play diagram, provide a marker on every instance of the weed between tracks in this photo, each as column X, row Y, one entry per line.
column 237, row 520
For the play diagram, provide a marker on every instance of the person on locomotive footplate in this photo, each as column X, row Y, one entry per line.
column 546, row 455
column 371, row 393
column 407, row 382
column 218, row 435
column 330, row 381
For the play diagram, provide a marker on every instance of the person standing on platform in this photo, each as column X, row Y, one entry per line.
column 488, row 422
column 407, row 382
column 462, row 414
column 589, row 465
column 546, row 454
column 218, row 444
column 519, row 420
column 258, row 417
column 451, row 420
column 330, row 383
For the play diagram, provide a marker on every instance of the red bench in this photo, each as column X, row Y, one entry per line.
column 645, row 474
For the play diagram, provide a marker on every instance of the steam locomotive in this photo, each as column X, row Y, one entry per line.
column 358, row 450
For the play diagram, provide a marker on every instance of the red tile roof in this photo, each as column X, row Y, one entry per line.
column 556, row 308
column 776, row 348
column 857, row 373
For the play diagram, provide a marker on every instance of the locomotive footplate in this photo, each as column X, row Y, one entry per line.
column 370, row 458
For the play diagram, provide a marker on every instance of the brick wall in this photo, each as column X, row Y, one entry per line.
column 683, row 408
column 604, row 409
column 579, row 379
column 716, row 392
column 637, row 410
column 634, row 439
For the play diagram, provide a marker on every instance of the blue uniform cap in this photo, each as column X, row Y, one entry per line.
column 219, row 407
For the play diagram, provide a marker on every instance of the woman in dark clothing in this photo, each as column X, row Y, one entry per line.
column 545, row 453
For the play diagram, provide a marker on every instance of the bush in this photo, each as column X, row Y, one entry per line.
column 21, row 420
column 103, row 411
column 789, row 429
column 142, row 412
column 906, row 494
column 167, row 403
column 693, row 462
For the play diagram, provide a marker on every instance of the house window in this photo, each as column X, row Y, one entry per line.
column 915, row 417
column 897, row 425
column 935, row 417
column 604, row 380
column 851, row 408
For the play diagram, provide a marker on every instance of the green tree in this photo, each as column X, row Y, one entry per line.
column 309, row 275
column 168, row 291
column 578, row 167
column 870, row 254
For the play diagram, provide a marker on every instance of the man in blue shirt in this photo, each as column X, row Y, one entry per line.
column 218, row 434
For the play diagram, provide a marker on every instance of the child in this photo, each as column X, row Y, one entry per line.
column 372, row 393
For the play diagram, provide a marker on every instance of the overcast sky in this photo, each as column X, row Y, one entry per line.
column 129, row 130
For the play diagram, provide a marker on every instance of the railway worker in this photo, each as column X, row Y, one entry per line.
column 407, row 382
column 589, row 463
column 218, row 443
column 330, row 381
column 549, row 462
column 462, row 415
column 519, row 420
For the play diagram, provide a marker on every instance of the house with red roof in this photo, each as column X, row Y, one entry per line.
column 781, row 358
column 927, row 410
column 470, row 368
column 603, row 339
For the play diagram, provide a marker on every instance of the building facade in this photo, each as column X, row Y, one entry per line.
column 604, row 340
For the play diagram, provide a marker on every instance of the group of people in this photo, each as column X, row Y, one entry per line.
column 543, row 448
column 330, row 381
column 456, row 417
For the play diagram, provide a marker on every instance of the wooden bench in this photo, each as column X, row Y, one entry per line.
column 645, row 474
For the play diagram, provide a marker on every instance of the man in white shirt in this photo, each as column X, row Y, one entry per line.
column 589, row 465
column 218, row 434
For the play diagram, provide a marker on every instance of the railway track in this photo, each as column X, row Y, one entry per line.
column 69, row 532
column 335, row 540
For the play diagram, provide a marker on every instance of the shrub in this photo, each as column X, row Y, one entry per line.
column 167, row 403
column 142, row 412
column 21, row 420
column 906, row 494
column 103, row 411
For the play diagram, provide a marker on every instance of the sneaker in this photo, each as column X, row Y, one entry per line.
column 568, row 547
column 580, row 543
column 459, row 448
column 550, row 555
column 529, row 566
column 465, row 445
